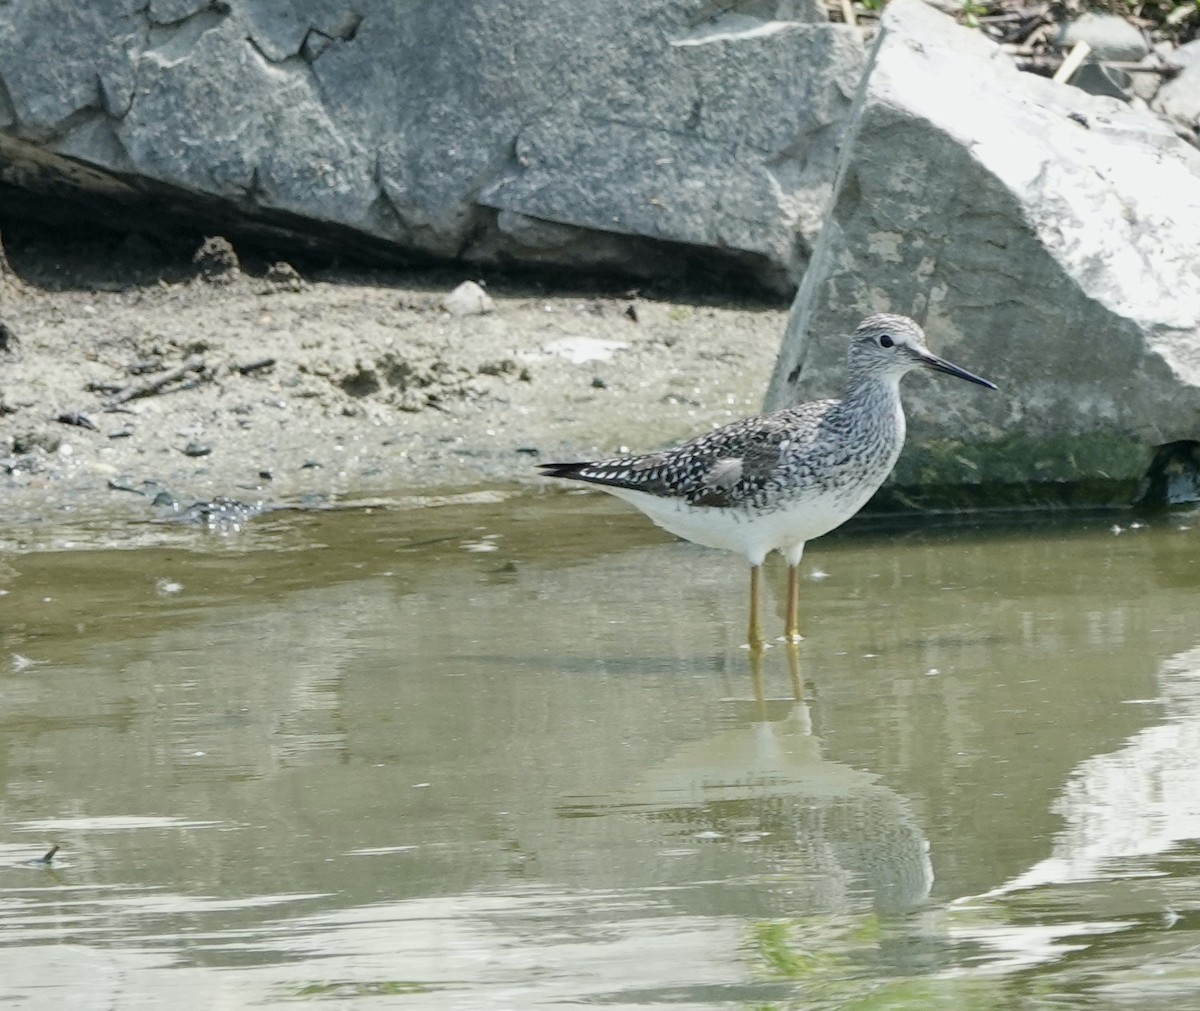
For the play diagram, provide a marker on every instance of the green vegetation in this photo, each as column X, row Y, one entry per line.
column 774, row 946
column 828, row 961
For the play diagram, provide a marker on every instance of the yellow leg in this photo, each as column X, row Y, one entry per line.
column 792, row 618
column 754, row 634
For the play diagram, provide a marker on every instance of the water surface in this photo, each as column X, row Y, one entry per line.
column 509, row 752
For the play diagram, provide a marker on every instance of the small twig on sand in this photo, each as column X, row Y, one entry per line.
column 255, row 366
column 152, row 386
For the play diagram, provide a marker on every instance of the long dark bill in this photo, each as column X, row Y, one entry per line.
column 941, row 365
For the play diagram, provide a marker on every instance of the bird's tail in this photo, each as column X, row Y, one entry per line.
column 567, row 470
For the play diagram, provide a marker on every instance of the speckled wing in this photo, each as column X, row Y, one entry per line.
column 733, row 465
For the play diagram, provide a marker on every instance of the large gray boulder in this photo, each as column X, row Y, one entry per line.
column 617, row 133
column 1044, row 237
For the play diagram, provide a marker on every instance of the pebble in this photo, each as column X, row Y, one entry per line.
column 27, row 442
column 468, row 299
column 1107, row 82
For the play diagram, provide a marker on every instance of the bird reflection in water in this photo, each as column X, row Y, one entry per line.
column 828, row 835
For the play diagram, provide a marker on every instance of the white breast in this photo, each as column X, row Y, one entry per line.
column 754, row 535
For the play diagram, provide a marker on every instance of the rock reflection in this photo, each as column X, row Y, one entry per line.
column 1135, row 802
column 1128, row 848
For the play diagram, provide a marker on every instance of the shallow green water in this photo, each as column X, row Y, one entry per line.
column 508, row 753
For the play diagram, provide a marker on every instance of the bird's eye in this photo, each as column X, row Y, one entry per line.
column 885, row 341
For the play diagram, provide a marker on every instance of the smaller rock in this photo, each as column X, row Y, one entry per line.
column 1187, row 55
column 197, row 449
column 8, row 337
column 1109, row 36
column 1179, row 99
column 1145, row 85
column 282, row 276
column 1107, row 82
column 27, row 442
column 468, row 299
column 30, row 463
column 217, row 261
column 1173, row 477
column 77, row 419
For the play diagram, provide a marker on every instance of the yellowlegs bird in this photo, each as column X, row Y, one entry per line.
column 774, row 482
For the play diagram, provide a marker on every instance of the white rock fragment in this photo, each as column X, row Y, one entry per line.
column 468, row 299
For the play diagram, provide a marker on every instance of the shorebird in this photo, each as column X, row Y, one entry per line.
column 776, row 481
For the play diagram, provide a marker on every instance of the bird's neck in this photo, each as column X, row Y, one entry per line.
column 877, row 392
column 877, row 399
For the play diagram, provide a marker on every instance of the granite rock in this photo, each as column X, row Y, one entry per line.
column 1045, row 238
column 615, row 133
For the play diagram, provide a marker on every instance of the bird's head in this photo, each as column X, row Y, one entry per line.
column 892, row 346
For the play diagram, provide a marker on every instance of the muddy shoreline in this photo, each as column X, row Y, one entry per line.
column 136, row 385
